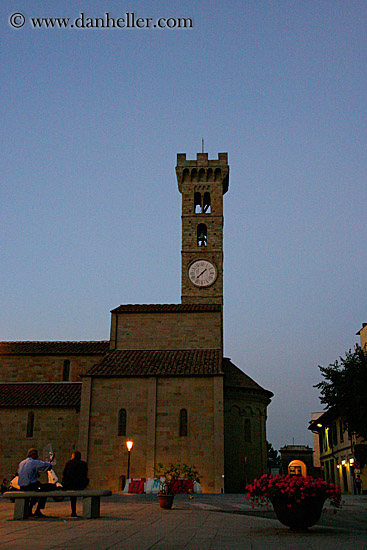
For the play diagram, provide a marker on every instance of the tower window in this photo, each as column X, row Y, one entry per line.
column 197, row 203
column 30, row 424
column 206, row 203
column 66, row 371
column 202, row 234
column 122, row 422
column 183, row 423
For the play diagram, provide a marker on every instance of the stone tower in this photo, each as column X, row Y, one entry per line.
column 202, row 183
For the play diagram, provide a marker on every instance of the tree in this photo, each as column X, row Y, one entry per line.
column 345, row 388
column 273, row 456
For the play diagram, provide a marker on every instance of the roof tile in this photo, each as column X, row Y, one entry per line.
column 166, row 308
column 202, row 362
column 236, row 378
column 52, row 394
column 54, row 348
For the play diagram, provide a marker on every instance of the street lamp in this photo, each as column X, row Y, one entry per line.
column 129, row 445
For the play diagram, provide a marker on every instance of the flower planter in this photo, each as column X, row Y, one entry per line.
column 166, row 501
column 300, row 515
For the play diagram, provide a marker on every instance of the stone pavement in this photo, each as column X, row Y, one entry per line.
column 135, row 522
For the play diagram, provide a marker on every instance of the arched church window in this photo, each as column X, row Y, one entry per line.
column 122, row 422
column 206, row 203
column 202, row 234
column 247, row 430
column 30, row 424
column 183, row 423
column 66, row 371
column 197, row 203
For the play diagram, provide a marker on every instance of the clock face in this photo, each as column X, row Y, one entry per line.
column 202, row 273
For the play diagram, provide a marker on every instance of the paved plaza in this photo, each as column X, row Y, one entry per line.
column 135, row 522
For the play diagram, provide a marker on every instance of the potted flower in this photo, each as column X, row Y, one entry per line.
column 297, row 501
column 173, row 479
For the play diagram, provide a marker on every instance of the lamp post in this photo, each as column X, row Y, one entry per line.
column 129, row 445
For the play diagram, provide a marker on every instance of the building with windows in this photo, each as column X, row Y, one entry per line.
column 335, row 446
column 161, row 379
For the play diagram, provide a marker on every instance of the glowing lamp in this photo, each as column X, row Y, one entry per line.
column 129, row 445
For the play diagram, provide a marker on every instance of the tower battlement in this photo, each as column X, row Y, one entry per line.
column 201, row 159
column 202, row 170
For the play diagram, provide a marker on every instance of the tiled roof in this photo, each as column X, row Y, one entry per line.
column 360, row 330
column 58, row 394
column 166, row 308
column 54, row 348
column 325, row 418
column 202, row 362
column 235, row 377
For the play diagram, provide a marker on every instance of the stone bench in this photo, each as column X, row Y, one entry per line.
column 91, row 500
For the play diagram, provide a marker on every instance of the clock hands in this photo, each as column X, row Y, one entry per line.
column 202, row 273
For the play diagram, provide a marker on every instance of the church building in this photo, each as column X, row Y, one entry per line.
column 161, row 379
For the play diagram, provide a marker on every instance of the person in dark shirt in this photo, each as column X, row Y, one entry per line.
column 75, row 477
column 357, row 485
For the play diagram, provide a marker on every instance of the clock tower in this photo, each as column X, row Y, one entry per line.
column 202, row 183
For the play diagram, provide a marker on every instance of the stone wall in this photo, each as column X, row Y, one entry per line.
column 153, row 407
column 58, row 426
column 245, row 438
column 43, row 368
column 194, row 330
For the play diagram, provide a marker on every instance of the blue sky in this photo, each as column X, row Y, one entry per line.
column 92, row 121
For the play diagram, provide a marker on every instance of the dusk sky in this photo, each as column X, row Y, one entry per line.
column 92, row 120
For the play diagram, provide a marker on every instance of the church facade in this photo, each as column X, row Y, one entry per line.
column 161, row 379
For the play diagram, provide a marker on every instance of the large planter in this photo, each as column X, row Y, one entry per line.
column 301, row 515
column 166, row 501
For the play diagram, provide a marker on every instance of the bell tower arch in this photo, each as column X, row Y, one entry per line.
column 202, row 184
